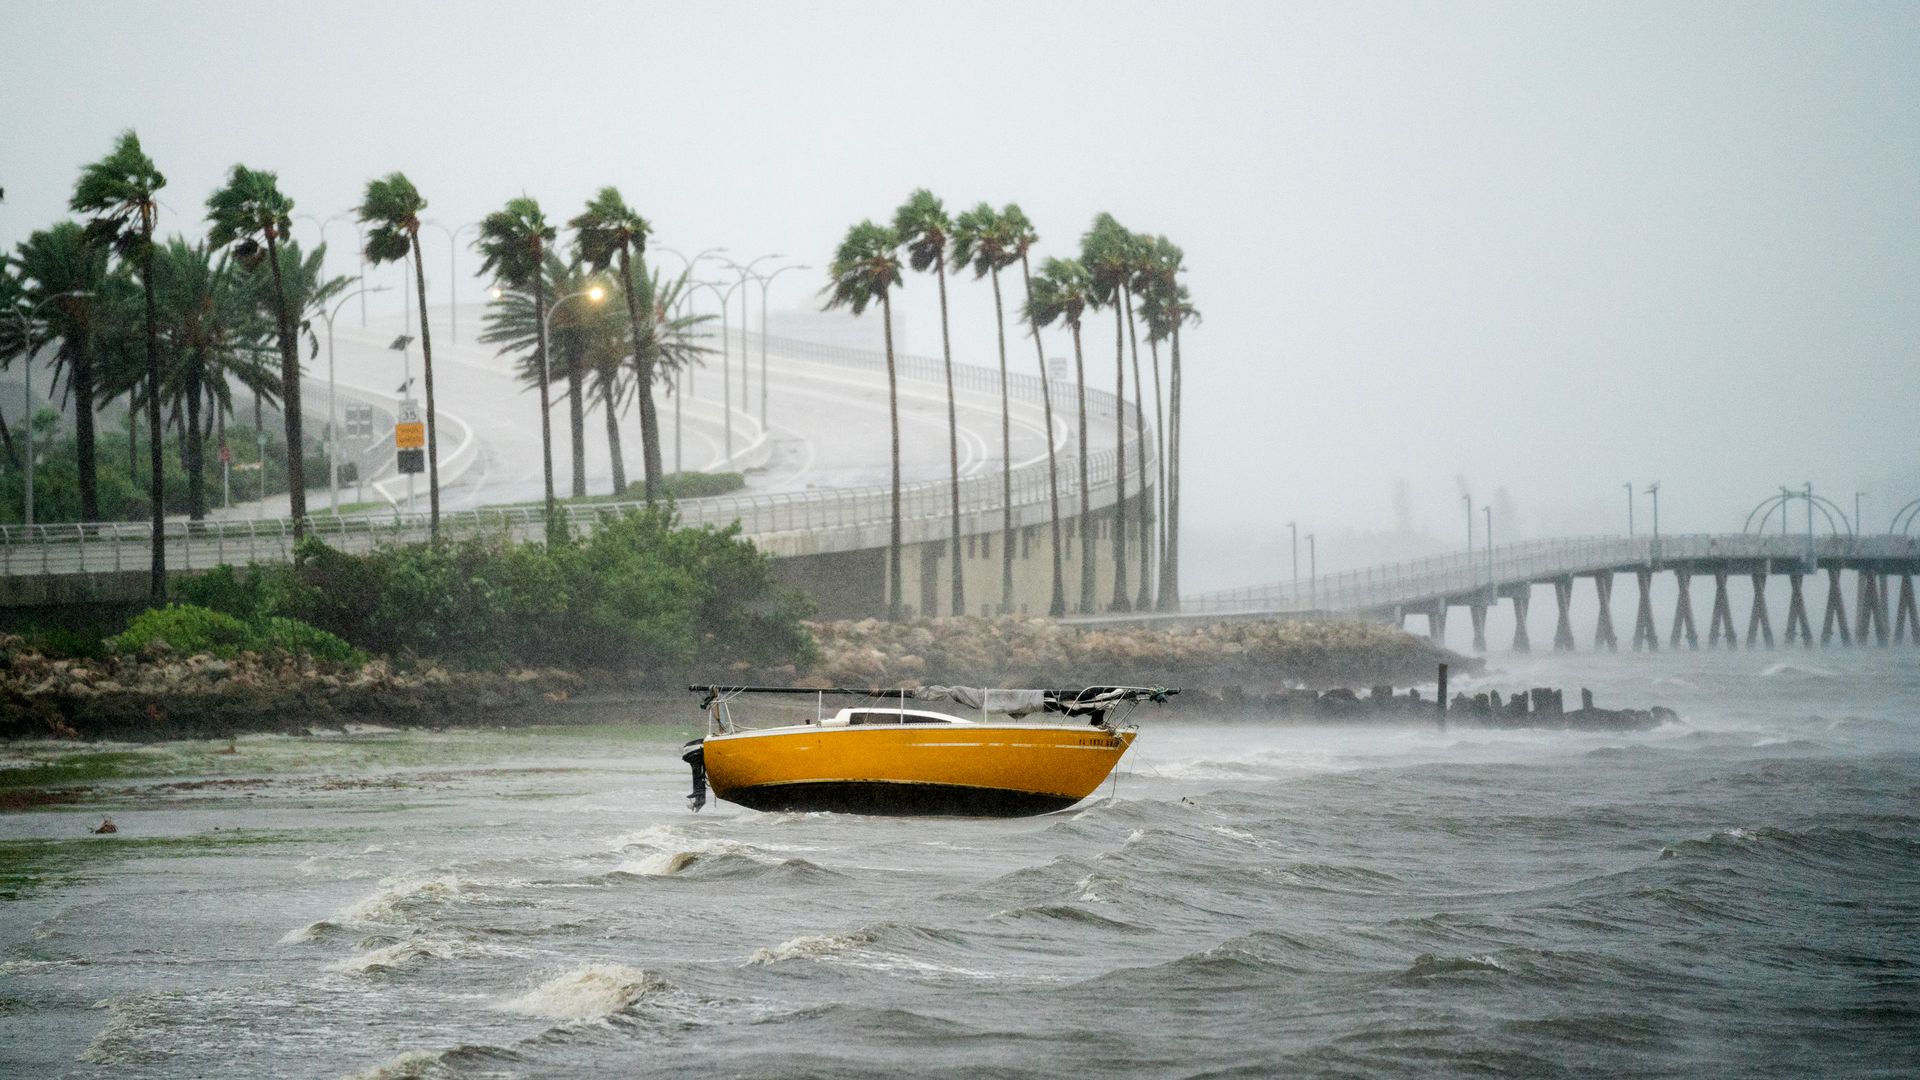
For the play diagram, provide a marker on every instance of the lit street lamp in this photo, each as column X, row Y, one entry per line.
column 25, row 318
column 593, row 293
column 333, row 410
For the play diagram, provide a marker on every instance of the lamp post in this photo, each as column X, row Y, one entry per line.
column 1467, row 498
column 25, row 318
column 333, row 411
column 1858, row 521
column 360, row 250
column 1629, row 486
column 1812, row 562
column 686, row 267
column 726, row 372
column 1488, row 510
column 1295, row 530
column 766, row 282
column 1653, row 489
column 453, row 247
column 746, row 272
column 593, row 293
column 1313, row 575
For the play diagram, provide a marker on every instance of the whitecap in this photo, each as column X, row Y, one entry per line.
column 396, row 955
column 808, row 947
column 412, row 1065
column 664, row 864
column 587, row 992
column 396, row 897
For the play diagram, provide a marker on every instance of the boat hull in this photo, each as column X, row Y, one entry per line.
column 979, row 770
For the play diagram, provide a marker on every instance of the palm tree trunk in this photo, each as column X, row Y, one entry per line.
column 156, row 484
column 1120, row 601
column 6, row 438
column 426, row 374
column 613, row 436
column 1006, row 459
column 81, row 377
column 1170, row 584
column 893, row 421
column 577, row 416
column 1086, row 489
column 196, row 448
column 1161, row 473
column 289, row 396
column 546, row 419
column 1140, row 425
column 643, row 367
column 1058, row 605
column 953, row 448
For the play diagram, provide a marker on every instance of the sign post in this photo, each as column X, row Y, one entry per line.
column 410, row 443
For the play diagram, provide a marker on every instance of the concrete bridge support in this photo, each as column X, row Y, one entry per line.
column 1906, row 617
column 1477, row 610
column 1872, row 611
column 1722, row 614
column 1644, row 635
column 1522, row 597
column 1563, row 626
column 1603, row 626
column 1683, row 611
column 1836, row 617
column 1797, row 626
column 1437, row 622
column 1759, row 623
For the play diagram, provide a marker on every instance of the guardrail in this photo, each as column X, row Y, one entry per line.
column 1457, row 574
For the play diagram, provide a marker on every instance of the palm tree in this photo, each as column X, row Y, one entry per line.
column 922, row 225
column 120, row 191
column 513, row 243
column 392, row 207
column 1020, row 233
column 1106, row 250
column 584, row 337
column 610, row 231
column 671, row 342
column 252, row 205
column 981, row 239
column 1140, row 257
column 1064, row 291
column 867, row 267
column 68, row 279
column 212, row 329
column 1170, row 309
column 1155, row 282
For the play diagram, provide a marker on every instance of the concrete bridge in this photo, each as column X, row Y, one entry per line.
column 1879, row 566
column 830, row 540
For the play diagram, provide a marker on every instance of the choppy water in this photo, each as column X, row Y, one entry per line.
column 1735, row 895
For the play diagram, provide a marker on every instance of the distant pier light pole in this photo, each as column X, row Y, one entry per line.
column 1859, row 523
column 1812, row 562
column 25, row 317
column 1295, row 530
column 686, row 266
column 766, row 283
column 1653, row 489
column 1313, row 575
column 1467, row 498
column 359, row 251
column 1629, row 486
column 1488, row 510
column 726, row 369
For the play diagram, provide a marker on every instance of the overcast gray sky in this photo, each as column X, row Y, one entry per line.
column 1546, row 247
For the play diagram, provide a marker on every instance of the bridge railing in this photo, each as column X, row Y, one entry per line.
column 1460, row 573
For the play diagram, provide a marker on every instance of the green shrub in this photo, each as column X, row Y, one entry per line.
column 300, row 639
column 701, row 485
column 188, row 628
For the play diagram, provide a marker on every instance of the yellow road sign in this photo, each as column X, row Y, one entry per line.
column 410, row 436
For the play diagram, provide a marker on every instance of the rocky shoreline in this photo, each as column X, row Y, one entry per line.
column 160, row 695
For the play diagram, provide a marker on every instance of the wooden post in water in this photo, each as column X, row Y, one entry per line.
column 1443, row 697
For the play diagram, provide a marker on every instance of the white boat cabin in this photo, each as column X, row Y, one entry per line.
column 866, row 715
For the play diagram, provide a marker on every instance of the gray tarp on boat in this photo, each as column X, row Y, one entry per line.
column 1010, row 702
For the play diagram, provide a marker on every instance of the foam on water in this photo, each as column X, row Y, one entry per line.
column 588, row 992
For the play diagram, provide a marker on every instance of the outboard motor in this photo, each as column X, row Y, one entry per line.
column 694, row 753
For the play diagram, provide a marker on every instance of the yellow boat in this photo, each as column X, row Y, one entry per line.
column 884, row 757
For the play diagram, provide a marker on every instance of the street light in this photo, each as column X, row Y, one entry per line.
column 1629, row 486
column 726, row 376
column 1294, row 529
column 1313, row 575
column 360, row 249
column 766, row 282
column 1653, row 489
column 686, row 267
column 453, row 246
column 1488, row 510
column 746, row 272
column 333, row 411
column 1467, row 498
column 25, row 318
column 593, row 293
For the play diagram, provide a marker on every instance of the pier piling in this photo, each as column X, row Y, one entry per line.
column 1603, row 625
column 1563, row 626
column 1906, row 617
column 1643, row 632
column 1836, row 618
column 1759, row 622
column 1797, row 625
column 1722, row 614
column 1522, row 597
column 1683, row 611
